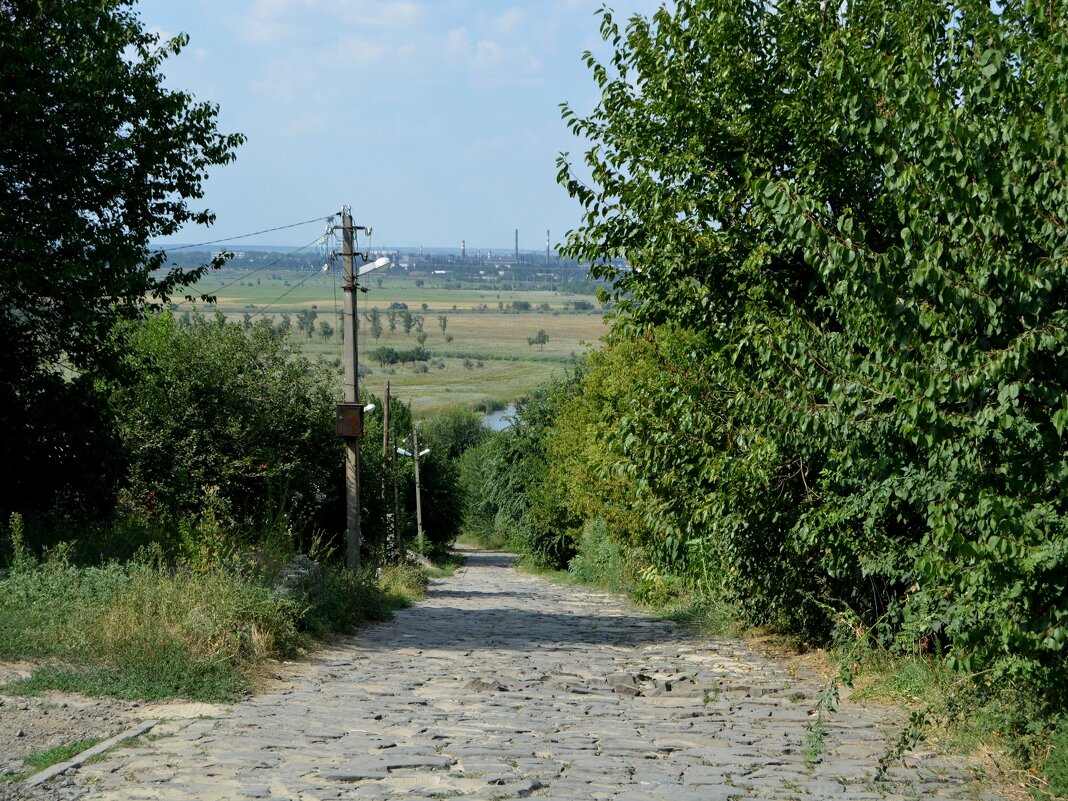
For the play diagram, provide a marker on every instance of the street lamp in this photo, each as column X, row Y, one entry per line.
column 416, row 455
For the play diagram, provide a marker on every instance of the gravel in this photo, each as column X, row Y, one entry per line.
column 32, row 724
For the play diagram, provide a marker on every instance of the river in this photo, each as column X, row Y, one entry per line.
column 497, row 421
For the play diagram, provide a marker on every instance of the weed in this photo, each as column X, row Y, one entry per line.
column 816, row 736
column 40, row 760
column 913, row 733
column 1054, row 774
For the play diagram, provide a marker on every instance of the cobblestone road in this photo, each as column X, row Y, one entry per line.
column 501, row 685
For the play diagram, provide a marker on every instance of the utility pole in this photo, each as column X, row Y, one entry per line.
column 392, row 546
column 353, row 536
column 396, row 499
column 385, row 424
column 418, row 492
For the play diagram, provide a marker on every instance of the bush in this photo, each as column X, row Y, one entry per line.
column 1055, row 768
column 600, row 559
column 448, row 433
column 384, row 355
column 417, row 354
column 848, row 264
column 506, row 488
column 349, row 599
column 148, row 630
column 140, row 630
column 215, row 416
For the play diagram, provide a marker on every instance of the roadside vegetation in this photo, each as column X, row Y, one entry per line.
column 832, row 402
column 225, row 465
column 833, row 398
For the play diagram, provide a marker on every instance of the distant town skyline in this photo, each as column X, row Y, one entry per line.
column 437, row 121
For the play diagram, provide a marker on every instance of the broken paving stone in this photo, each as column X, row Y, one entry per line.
column 480, row 686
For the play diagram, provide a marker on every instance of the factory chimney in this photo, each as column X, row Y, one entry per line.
column 463, row 248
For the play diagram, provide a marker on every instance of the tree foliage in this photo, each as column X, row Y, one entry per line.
column 506, row 492
column 845, row 231
column 98, row 157
column 216, row 415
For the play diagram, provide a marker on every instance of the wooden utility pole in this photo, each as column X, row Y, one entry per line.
column 353, row 536
column 418, row 493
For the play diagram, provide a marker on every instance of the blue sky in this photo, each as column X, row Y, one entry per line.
column 436, row 120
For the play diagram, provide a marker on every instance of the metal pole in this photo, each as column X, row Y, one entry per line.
column 353, row 538
column 391, row 521
column 396, row 497
column 418, row 493
column 385, row 424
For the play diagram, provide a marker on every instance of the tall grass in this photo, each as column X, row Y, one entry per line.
column 143, row 629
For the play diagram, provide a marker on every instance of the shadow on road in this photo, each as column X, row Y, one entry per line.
column 488, row 607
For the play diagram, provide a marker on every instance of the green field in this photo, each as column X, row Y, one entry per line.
column 488, row 359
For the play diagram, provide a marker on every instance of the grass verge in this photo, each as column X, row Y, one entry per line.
column 143, row 630
column 37, row 762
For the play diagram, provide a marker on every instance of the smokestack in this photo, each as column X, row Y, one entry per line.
column 517, row 246
column 463, row 248
column 546, row 247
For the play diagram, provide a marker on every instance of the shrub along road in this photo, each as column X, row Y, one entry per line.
column 500, row 685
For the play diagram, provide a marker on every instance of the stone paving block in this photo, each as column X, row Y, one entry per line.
column 386, row 715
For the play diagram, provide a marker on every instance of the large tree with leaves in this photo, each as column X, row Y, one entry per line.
column 97, row 158
column 856, row 214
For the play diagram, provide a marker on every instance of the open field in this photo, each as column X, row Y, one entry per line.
column 487, row 360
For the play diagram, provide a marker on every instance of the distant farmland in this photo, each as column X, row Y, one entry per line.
column 482, row 360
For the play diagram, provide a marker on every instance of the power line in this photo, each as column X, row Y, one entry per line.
column 245, row 275
column 293, row 288
column 245, row 236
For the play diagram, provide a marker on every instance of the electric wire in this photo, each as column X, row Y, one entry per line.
column 337, row 317
column 262, row 267
column 244, row 236
column 292, row 289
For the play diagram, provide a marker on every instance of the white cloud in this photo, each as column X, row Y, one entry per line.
column 457, row 42
column 163, row 34
column 487, row 54
column 510, row 22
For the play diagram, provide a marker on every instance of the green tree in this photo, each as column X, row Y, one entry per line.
column 443, row 322
column 374, row 319
column 99, row 158
column 306, row 321
column 448, row 433
column 384, row 355
column 211, row 410
column 848, row 220
column 325, row 330
column 538, row 339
